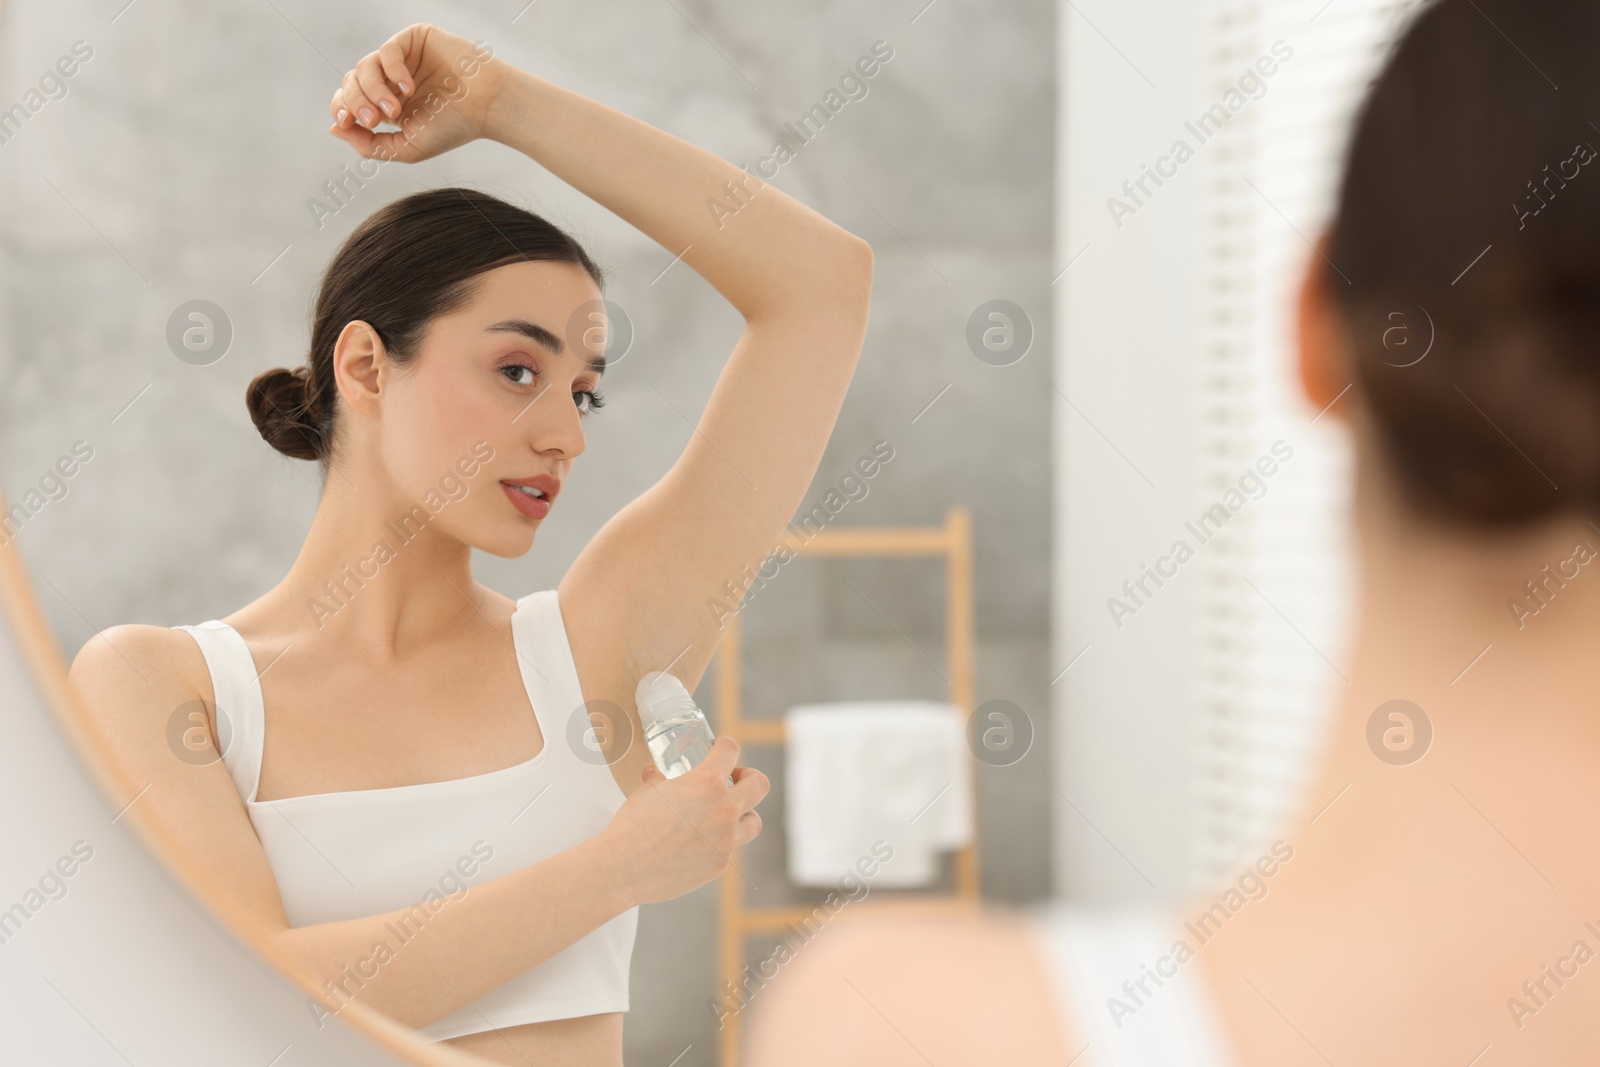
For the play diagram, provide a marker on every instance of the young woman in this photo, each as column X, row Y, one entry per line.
column 409, row 793
column 1438, row 901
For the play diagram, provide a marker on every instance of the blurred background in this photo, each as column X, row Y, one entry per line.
column 1016, row 168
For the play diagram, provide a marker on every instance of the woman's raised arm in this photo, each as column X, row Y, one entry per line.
column 655, row 578
column 645, row 588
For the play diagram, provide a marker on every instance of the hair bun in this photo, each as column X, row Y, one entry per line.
column 283, row 409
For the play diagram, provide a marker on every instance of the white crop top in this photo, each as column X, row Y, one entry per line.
column 1130, row 995
column 369, row 851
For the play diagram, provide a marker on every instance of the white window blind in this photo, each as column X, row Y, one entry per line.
column 1276, row 601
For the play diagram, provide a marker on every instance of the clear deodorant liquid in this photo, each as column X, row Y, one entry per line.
column 675, row 729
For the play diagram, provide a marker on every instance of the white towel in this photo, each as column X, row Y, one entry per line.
column 857, row 773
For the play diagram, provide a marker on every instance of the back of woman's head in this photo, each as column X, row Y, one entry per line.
column 1469, row 212
column 408, row 263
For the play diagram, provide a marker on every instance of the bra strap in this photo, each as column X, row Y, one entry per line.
column 240, row 719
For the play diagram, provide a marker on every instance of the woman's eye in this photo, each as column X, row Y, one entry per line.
column 588, row 401
column 515, row 371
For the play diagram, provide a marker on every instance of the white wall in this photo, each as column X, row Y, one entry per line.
column 1187, row 733
column 1124, row 471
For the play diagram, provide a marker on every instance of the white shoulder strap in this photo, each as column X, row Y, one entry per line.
column 1128, row 984
column 550, row 675
column 240, row 721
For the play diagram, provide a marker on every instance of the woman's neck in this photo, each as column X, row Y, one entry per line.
column 1498, row 630
column 376, row 569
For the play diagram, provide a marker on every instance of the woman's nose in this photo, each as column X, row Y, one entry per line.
column 559, row 429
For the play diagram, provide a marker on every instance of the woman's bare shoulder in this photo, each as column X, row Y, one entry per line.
column 900, row 985
column 141, row 689
column 132, row 664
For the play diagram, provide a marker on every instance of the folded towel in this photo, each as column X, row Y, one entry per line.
column 860, row 772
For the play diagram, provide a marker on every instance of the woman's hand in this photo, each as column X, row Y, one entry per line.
column 437, row 87
column 676, row 834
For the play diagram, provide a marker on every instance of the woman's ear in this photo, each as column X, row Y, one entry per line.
column 1324, row 359
column 359, row 363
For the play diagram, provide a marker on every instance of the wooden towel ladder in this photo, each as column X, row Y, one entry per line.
column 953, row 541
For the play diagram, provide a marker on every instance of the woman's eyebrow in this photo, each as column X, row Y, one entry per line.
column 541, row 336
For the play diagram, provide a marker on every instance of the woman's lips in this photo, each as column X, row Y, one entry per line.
column 531, row 506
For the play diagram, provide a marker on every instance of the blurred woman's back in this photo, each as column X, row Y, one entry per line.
column 1439, row 901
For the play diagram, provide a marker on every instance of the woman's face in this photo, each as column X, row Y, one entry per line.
column 496, row 394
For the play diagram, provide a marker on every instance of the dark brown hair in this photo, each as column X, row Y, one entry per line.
column 408, row 263
column 1470, row 207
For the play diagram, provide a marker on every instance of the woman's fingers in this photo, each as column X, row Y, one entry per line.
column 342, row 115
column 356, row 101
column 370, row 76
column 750, row 786
column 747, row 829
column 392, row 57
column 372, row 92
column 384, row 146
